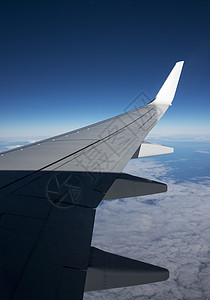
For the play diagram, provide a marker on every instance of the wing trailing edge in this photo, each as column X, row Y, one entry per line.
column 107, row 271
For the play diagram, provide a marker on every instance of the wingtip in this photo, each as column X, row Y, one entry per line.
column 181, row 62
column 168, row 89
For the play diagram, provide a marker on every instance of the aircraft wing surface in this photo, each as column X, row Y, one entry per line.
column 48, row 194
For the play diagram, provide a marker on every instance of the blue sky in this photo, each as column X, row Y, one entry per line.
column 70, row 63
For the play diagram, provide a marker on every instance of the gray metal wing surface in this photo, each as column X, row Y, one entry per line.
column 49, row 191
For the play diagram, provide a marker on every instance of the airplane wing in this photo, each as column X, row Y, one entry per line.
column 49, row 192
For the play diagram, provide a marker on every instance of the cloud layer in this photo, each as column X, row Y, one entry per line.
column 170, row 230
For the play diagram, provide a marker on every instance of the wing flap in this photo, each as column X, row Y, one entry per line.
column 70, row 279
column 45, row 259
column 107, row 271
column 17, row 237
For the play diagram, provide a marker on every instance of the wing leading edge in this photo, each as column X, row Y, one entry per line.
column 48, row 194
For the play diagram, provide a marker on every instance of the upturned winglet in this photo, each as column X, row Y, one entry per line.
column 168, row 89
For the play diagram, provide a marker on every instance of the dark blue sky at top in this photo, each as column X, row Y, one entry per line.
column 65, row 64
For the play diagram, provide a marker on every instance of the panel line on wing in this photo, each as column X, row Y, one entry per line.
column 99, row 142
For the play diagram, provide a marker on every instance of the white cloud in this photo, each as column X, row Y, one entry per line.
column 203, row 151
column 172, row 233
column 179, row 138
column 32, row 141
column 13, row 147
column 10, row 144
